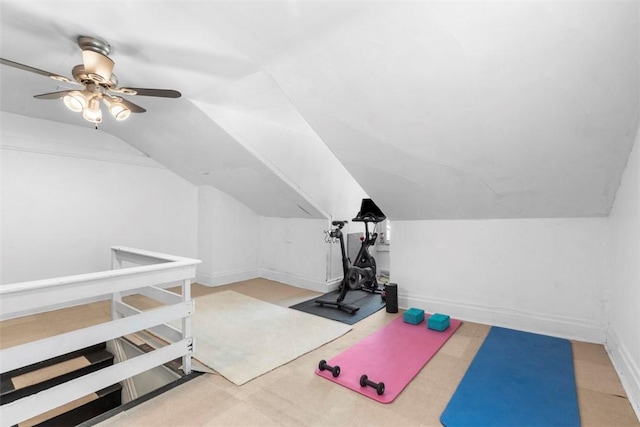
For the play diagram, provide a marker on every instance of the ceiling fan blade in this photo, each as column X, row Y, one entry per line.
column 35, row 70
column 163, row 93
column 130, row 105
column 54, row 95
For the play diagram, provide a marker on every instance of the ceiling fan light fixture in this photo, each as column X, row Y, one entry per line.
column 75, row 101
column 118, row 110
column 92, row 113
column 97, row 66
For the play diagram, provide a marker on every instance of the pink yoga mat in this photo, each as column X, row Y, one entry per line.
column 393, row 355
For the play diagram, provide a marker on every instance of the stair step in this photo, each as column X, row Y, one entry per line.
column 81, row 410
column 146, row 342
column 54, row 360
column 32, row 380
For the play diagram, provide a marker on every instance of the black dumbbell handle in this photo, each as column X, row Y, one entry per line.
column 335, row 370
column 364, row 381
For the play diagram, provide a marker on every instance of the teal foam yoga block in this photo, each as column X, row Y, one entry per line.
column 438, row 322
column 413, row 316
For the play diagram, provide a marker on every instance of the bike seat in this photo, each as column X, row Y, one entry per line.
column 339, row 224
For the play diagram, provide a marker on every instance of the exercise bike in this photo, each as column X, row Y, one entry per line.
column 361, row 275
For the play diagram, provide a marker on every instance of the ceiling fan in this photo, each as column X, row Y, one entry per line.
column 99, row 83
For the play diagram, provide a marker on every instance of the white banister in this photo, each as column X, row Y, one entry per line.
column 166, row 332
column 48, row 348
column 161, row 295
column 38, row 297
column 151, row 270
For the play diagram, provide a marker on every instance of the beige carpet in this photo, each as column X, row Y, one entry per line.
column 242, row 338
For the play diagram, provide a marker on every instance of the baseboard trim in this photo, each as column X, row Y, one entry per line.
column 627, row 369
column 300, row 281
column 557, row 326
column 227, row 277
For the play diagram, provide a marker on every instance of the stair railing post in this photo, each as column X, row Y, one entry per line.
column 186, row 326
column 116, row 297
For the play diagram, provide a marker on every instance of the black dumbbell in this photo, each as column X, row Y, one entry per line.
column 335, row 370
column 364, row 381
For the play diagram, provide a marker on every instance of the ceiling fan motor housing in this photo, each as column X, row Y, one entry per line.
column 97, row 66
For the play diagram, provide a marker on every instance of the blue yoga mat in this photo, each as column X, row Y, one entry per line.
column 516, row 379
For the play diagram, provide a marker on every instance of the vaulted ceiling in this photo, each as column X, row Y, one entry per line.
column 438, row 109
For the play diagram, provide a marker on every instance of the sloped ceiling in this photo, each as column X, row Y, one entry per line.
column 438, row 109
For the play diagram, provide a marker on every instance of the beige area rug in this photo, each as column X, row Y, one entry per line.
column 242, row 338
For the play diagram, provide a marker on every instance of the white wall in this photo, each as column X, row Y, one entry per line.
column 623, row 332
column 381, row 252
column 237, row 244
column 70, row 193
column 542, row 275
column 229, row 239
column 294, row 251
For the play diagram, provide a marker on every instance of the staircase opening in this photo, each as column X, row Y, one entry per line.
column 101, row 404
column 70, row 375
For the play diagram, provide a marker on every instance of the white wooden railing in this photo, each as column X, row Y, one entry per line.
column 151, row 270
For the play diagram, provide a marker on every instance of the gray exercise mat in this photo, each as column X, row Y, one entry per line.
column 368, row 303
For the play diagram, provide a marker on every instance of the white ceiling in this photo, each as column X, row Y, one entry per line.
column 438, row 109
